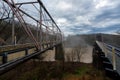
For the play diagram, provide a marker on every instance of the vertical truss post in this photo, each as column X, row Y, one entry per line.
column 37, row 34
column 53, row 34
column 13, row 30
column 41, row 26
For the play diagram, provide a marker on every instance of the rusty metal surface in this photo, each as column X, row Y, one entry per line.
column 27, row 22
column 24, row 25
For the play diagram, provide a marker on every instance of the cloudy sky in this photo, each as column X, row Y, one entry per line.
column 85, row 16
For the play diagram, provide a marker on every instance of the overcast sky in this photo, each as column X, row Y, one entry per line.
column 85, row 16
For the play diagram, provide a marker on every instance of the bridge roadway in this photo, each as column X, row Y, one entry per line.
column 107, row 49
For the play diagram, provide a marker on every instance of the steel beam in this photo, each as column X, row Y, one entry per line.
column 26, row 3
column 48, row 14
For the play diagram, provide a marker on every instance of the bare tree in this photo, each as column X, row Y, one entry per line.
column 75, row 46
column 75, row 53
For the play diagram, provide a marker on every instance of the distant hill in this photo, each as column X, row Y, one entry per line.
column 76, row 40
column 91, row 38
column 112, row 39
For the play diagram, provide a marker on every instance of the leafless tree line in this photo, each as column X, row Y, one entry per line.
column 74, row 54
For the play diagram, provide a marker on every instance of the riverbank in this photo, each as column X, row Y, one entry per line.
column 35, row 70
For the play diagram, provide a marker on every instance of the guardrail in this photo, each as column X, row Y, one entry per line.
column 108, row 58
column 110, row 48
column 6, row 66
column 5, row 54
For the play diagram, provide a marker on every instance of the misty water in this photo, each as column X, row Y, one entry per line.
column 75, row 50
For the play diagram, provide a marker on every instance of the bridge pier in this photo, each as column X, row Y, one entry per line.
column 59, row 52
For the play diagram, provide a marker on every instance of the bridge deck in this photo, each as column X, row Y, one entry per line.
column 110, row 55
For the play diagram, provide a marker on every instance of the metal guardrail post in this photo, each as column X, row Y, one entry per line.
column 105, row 49
column 4, row 59
column 113, row 58
column 26, row 51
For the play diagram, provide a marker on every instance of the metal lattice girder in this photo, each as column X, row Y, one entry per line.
column 33, row 18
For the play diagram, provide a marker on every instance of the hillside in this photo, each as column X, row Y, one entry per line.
column 90, row 39
column 20, row 34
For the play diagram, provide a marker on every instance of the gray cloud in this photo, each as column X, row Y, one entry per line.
column 85, row 16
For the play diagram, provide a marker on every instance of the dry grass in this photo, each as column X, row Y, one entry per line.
column 54, row 71
column 86, row 72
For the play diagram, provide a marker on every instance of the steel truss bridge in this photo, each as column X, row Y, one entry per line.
column 25, row 27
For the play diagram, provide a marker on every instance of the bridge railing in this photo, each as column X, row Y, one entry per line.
column 110, row 48
column 114, row 57
column 112, row 53
column 10, row 55
column 16, row 53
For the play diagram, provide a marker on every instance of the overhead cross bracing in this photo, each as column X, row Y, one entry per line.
column 27, row 22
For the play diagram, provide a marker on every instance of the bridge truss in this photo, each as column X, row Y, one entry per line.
column 27, row 22
column 26, row 28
